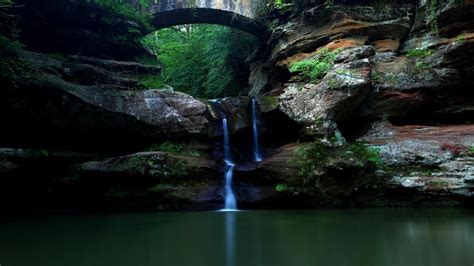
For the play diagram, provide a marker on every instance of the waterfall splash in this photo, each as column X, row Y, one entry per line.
column 230, row 203
column 257, row 156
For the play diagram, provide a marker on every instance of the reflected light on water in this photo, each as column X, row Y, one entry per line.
column 230, row 238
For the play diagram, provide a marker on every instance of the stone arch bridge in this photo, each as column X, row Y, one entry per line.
column 233, row 13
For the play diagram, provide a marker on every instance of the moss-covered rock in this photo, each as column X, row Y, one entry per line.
column 155, row 180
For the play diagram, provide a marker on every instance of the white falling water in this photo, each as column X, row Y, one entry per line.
column 257, row 156
column 230, row 203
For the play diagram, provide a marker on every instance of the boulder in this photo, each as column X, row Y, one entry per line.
column 70, row 94
column 155, row 180
column 337, row 96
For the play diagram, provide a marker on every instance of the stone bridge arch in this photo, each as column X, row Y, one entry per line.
column 232, row 13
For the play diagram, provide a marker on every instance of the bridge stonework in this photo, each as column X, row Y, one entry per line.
column 241, row 7
column 233, row 13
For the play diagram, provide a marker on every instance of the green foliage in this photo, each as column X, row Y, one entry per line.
column 136, row 11
column 421, row 65
column 460, row 38
column 471, row 150
column 167, row 147
column 282, row 6
column 152, row 166
column 419, row 53
column 315, row 68
column 10, row 48
column 373, row 155
column 151, row 82
column 328, row 3
column 174, row 148
column 315, row 155
column 136, row 164
column 206, row 61
column 281, row 187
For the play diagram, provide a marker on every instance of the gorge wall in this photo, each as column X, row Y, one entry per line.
column 385, row 120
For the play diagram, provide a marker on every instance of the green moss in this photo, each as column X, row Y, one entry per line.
column 471, row 150
column 315, row 155
column 373, row 155
column 460, row 38
column 420, row 53
column 174, row 148
column 282, row 6
column 149, row 166
column 44, row 153
column 136, row 164
column 268, row 103
column 315, row 68
column 281, row 187
column 421, row 65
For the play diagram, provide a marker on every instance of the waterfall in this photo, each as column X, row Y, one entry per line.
column 230, row 203
column 256, row 148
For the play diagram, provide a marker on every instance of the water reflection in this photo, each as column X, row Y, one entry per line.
column 230, row 238
column 278, row 238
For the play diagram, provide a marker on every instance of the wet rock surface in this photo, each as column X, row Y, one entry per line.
column 428, row 159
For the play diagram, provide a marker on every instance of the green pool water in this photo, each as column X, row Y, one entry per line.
column 351, row 237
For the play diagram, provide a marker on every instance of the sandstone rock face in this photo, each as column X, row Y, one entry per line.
column 311, row 175
column 389, row 64
column 434, row 160
column 337, row 96
column 105, row 97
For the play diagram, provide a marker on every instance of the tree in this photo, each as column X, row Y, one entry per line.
column 206, row 61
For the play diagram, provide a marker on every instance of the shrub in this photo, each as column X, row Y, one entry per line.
column 417, row 53
column 282, row 6
column 205, row 61
column 315, row 68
